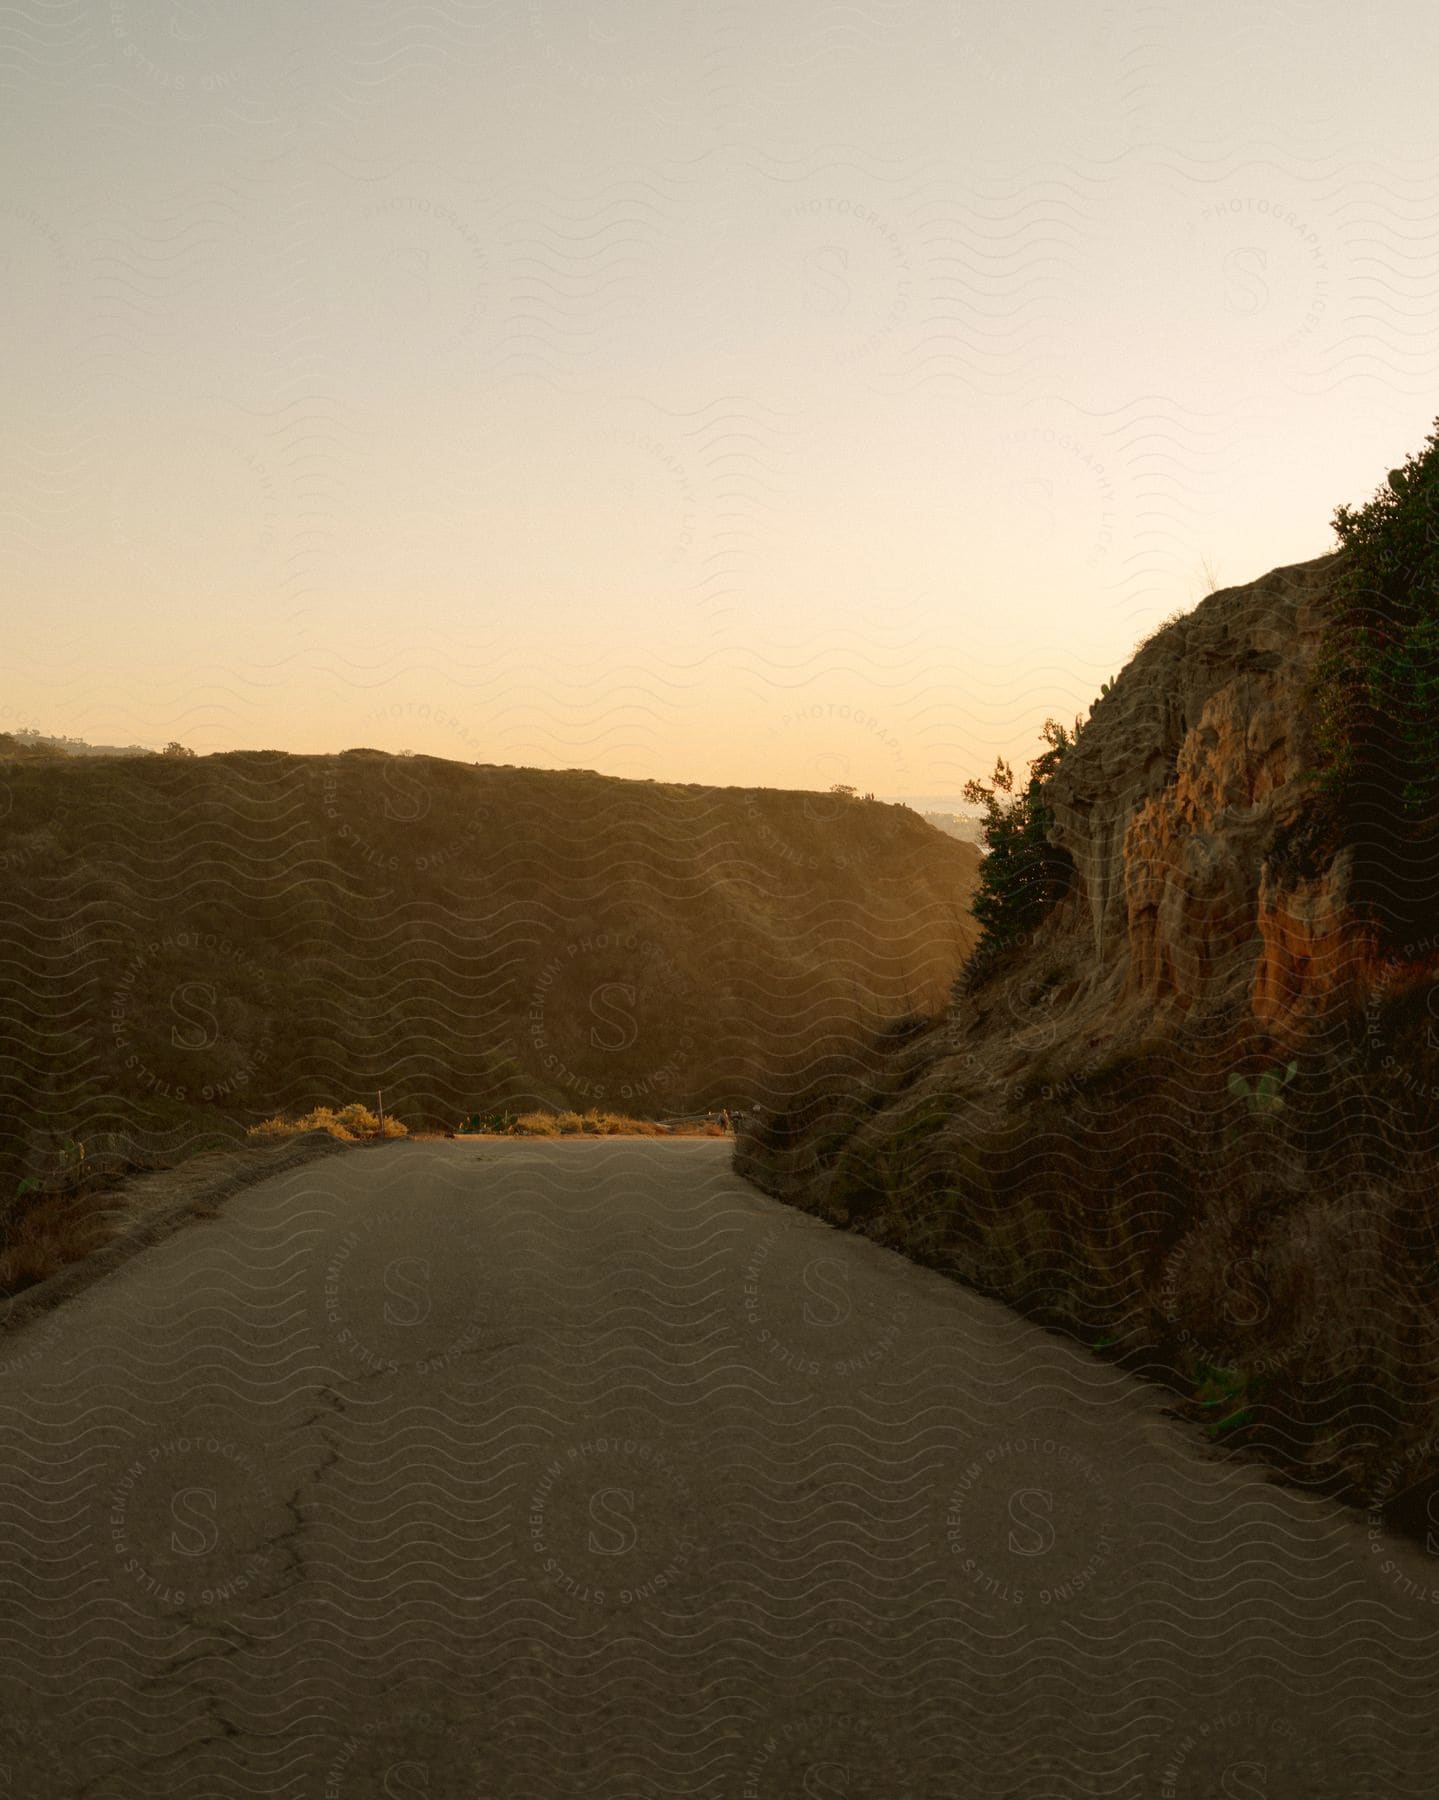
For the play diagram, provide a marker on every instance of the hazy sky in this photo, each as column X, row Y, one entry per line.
column 750, row 392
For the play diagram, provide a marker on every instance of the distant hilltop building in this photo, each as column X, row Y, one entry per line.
column 31, row 739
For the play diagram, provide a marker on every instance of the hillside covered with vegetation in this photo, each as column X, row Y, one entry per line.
column 195, row 944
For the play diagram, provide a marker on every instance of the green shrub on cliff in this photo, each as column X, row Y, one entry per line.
column 1023, row 874
column 1378, row 695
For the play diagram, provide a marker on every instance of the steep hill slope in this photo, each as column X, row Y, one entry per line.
column 193, row 944
column 1197, row 1110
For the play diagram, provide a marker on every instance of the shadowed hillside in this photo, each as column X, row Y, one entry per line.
column 1189, row 1106
column 195, row 944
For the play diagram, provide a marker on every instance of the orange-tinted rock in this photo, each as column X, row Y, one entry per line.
column 1170, row 801
column 1313, row 955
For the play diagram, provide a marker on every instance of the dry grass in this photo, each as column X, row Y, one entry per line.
column 47, row 1235
column 349, row 1123
column 603, row 1124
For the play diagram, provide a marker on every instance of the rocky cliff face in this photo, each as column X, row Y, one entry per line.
column 1175, row 796
column 1189, row 774
column 1194, row 1084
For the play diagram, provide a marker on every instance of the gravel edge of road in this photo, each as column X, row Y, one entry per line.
column 144, row 1228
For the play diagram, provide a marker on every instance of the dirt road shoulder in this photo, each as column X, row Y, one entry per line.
column 146, row 1208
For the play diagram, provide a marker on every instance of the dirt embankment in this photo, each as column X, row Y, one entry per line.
column 63, row 1242
column 1196, row 1114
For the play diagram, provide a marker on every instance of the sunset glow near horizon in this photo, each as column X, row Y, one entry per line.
column 778, row 397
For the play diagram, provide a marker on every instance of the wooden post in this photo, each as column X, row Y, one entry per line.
column 380, row 1098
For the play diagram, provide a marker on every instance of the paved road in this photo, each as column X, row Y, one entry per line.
column 583, row 1469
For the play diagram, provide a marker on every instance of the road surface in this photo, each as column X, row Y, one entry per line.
column 583, row 1469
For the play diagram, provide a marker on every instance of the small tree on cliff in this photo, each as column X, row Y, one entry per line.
column 1023, row 874
column 1378, row 693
